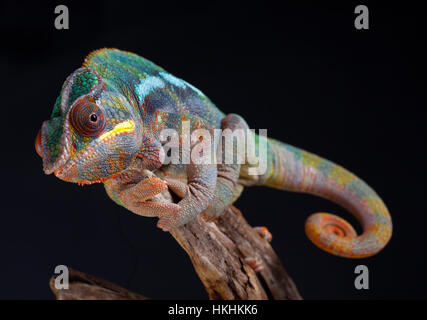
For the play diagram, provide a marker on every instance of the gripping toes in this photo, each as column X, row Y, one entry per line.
column 169, row 217
column 264, row 233
column 137, row 199
column 143, row 190
column 254, row 263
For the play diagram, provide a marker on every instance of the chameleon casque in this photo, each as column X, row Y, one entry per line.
column 105, row 127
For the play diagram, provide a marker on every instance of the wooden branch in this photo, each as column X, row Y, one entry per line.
column 217, row 249
column 279, row 285
column 86, row 287
column 218, row 262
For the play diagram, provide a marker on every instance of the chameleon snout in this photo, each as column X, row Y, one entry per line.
column 38, row 144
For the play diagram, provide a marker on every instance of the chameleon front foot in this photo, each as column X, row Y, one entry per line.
column 264, row 233
column 142, row 191
column 143, row 199
column 169, row 219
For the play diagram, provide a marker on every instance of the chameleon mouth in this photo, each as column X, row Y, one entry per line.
column 38, row 144
column 45, row 138
column 69, row 171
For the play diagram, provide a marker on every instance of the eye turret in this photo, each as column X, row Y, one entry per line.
column 87, row 118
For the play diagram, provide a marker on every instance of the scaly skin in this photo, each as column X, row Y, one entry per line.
column 106, row 127
column 293, row 169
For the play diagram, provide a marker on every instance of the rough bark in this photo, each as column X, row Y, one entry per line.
column 86, row 287
column 217, row 250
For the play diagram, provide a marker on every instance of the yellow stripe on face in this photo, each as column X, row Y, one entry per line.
column 125, row 126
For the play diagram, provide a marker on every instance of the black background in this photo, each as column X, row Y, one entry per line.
column 303, row 72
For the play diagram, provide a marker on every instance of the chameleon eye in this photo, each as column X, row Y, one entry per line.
column 87, row 118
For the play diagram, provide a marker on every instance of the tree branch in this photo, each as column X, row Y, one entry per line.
column 86, row 287
column 217, row 249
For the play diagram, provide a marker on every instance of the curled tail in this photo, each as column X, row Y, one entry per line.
column 293, row 169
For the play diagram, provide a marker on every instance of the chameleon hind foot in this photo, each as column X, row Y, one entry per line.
column 227, row 189
column 254, row 263
column 264, row 233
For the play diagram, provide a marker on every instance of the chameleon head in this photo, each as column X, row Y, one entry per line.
column 92, row 134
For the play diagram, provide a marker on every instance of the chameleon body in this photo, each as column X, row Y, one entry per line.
column 106, row 127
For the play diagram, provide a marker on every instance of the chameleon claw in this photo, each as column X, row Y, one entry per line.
column 254, row 264
column 169, row 217
column 161, row 227
column 264, row 233
column 166, row 224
